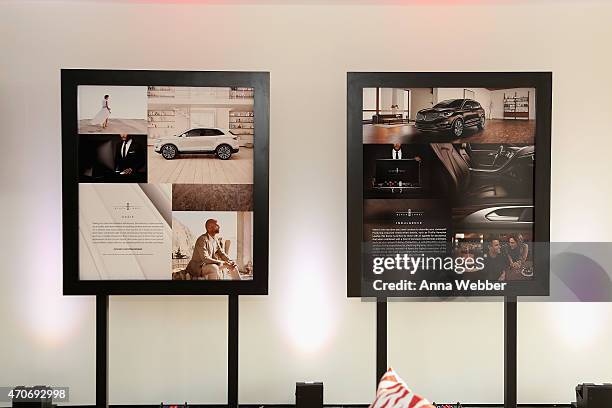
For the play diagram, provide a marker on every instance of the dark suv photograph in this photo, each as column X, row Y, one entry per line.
column 452, row 115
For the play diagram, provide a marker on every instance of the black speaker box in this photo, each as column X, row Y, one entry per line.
column 594, row 396
column 309, row 395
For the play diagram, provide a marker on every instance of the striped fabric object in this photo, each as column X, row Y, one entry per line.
column 393, row 392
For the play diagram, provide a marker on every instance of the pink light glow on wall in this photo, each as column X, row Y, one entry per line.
column 338, row 2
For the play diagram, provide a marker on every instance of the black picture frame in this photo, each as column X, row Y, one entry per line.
column 70, row 80
column 541, row 81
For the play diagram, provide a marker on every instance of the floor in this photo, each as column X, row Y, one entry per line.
column 201, row 168
column 495, row 131
column 464, row 405
column 115, row 126
column 330, row 406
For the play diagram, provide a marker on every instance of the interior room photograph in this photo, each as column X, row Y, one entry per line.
column 306, row 203
column 182, row 123
column 476, row 115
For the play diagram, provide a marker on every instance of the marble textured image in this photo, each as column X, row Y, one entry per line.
column 212, row 197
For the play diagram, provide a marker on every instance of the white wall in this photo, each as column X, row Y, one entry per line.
column 369, row 102
column 293, row 334
column 386, row 98
column 562, row 344
column 170, row 349
column 390, row 97
column 422, row 98
column 449, row 351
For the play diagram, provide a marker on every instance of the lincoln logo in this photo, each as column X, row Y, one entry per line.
column 410, row 213
column 127, row 207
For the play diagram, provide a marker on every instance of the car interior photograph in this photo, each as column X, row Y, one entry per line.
column 463, row 172
column 489, row 173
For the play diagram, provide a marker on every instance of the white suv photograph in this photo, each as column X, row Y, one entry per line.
column 220, row 142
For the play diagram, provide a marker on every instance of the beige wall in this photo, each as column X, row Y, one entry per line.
column 306, row 329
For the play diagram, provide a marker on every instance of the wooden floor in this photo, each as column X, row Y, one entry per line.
column 495, row 131
column 201, row 168
column 115, row 126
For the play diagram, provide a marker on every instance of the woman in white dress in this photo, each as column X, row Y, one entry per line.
column 101, row 117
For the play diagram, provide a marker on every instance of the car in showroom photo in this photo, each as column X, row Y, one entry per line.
column 220, row 142
column 452, row 115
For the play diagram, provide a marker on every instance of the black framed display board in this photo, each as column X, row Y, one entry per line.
column 448, row 184
column 165, row 182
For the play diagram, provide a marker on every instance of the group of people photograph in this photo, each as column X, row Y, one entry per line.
column 505, row 257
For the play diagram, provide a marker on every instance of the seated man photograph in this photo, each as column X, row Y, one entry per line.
column 209, row 261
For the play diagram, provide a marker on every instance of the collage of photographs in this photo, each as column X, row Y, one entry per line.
column 165, row 182
column 453, row 167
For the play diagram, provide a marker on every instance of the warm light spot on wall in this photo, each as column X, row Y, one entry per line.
column 46, row 315
column 577, row 325
column 308, row 317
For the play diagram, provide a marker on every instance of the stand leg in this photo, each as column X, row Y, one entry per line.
column 101, row 350
column 510, row 365
column 232, row 352
column 381, row 339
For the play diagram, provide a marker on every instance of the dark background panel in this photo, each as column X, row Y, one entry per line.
column 97, row 159
column 357, row 81
column 70, row 80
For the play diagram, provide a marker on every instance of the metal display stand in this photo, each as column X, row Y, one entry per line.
column 102, row 351
column 510, row 350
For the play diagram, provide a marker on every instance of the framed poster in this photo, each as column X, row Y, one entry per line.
column 165, row 182
column 448, row 184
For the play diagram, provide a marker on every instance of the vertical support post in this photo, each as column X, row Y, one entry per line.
column 232, row 352
column 381, row 338
column 510, row 352
column 101, row 350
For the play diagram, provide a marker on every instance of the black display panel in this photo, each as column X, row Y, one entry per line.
column 165, row 182
column 448, row 183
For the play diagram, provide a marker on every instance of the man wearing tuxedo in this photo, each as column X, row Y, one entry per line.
column 209, row 260
column 396, row 152
column 129, row 157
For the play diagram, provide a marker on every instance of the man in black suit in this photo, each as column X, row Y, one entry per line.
column 129, row 157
